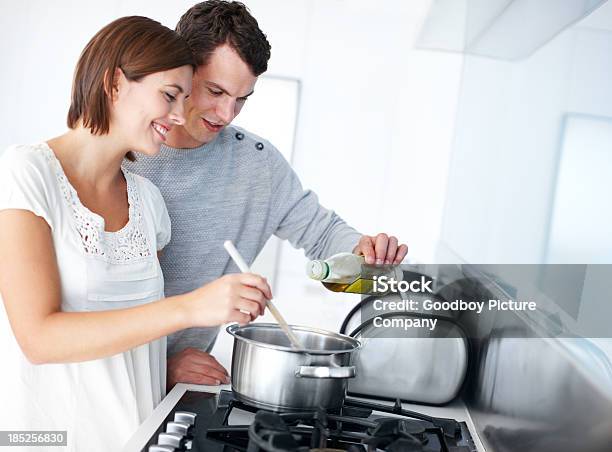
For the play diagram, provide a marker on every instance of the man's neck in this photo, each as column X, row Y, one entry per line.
column 178, row 138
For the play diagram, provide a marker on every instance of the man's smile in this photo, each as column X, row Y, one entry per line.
column 213, row 127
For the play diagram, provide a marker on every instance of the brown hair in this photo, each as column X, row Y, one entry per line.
column 209, row 24
column 136, row 45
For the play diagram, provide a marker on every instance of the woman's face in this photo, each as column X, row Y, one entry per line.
column 144, row 111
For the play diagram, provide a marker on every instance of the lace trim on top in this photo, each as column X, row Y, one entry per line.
column 128, row 243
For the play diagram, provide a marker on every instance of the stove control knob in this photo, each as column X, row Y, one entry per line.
column 158, row 448
column 185, row 416
column 171, row 439
column 181, row 428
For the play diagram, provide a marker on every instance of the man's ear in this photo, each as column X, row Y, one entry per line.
column 113, row 85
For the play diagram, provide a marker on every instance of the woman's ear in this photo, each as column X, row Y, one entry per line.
column 113, row 86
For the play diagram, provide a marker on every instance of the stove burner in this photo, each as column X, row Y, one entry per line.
column 449, row 427
column 403, row 433
column 358, row 426
column 270, row 433
column 349, row 429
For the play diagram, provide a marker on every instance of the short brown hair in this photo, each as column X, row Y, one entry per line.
column 138, row 46
column 209, row 24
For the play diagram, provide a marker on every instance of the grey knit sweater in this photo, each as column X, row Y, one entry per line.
column 239, row 188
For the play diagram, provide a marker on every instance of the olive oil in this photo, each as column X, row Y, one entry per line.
column 361, row 286
column 348, row 273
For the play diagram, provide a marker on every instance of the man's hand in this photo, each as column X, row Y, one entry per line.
column 195, row 366
column 381, row 249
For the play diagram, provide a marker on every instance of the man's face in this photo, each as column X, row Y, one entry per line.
column 219, row 90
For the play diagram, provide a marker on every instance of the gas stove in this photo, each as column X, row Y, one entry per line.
column 205, row 421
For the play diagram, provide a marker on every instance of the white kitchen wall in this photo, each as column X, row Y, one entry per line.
column 375, row 122
column 506, row 152
column 579, row 227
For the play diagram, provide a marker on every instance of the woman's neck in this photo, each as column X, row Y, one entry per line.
column 93, row 160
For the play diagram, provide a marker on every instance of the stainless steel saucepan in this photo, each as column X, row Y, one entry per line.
column 268, row 373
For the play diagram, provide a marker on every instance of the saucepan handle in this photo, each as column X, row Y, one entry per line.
column 325, row 372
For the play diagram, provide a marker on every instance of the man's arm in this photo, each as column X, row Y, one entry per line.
column 195, row 366
column 306, row 224
column 297, row 216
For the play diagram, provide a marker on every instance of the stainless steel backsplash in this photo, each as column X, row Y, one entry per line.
column 528, row 389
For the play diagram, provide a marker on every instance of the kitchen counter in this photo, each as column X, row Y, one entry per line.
column 455, row 410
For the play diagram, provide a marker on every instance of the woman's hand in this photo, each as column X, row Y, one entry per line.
column 239, row 297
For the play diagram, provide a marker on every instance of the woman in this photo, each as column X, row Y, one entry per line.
column 79, row 278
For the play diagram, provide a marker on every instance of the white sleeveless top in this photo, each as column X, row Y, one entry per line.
column 101, row 402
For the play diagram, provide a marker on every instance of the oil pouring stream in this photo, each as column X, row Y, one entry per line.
column 244, row 268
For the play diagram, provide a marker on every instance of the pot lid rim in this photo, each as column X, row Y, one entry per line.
column 234, row 329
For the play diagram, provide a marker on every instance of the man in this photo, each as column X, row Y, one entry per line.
column 223, row 183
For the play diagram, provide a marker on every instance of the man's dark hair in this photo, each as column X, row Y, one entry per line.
column 209, row 24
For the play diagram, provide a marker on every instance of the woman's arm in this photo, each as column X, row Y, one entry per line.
column 31, row 291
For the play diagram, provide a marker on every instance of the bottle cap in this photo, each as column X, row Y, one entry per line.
column 317, row 270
